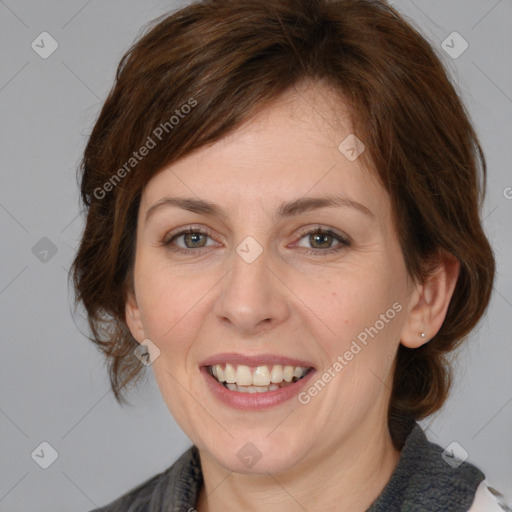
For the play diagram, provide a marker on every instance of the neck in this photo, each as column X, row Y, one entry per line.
column 348, row 478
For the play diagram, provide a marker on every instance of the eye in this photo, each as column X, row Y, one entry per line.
column 317, row 241
column 321, row 241
column 187, row 240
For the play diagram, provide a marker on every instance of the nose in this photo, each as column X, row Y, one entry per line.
column 252, row 297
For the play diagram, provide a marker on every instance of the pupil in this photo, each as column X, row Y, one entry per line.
column 319, row 237
column 193, row 238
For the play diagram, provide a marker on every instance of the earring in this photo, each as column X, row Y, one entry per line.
column 423, row 335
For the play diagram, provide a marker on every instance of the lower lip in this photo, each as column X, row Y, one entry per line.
column 240, row 400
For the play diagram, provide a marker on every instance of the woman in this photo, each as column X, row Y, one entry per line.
column 283, row 222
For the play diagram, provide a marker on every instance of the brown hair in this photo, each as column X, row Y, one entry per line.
column 226, row 60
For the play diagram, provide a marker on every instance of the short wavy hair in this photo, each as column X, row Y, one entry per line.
column 227, row 60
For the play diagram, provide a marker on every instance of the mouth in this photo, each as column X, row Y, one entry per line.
column 256, row 379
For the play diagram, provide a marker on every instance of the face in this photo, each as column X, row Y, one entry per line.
column 266, row 250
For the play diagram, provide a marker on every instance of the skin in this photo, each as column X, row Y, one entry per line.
column 334, row 453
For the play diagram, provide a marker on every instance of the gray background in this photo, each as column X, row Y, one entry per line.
column 54, row 385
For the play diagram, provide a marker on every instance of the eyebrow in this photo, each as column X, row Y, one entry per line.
column 288, row 209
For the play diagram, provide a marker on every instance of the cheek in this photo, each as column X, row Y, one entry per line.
column 351, row 303
column 168, row 304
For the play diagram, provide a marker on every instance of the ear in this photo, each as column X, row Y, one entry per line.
column 429, row 302
column 132, row 317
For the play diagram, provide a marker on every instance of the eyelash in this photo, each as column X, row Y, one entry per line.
column 343, row 241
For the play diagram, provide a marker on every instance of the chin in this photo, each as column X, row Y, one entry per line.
column 258, row 454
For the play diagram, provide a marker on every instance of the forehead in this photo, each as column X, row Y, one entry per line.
column 288, row 150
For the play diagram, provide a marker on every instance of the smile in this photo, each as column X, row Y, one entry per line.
column 260, row 379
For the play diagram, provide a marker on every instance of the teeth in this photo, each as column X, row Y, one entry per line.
column 243, row 375
column 261, row 376
column 288, row 373
column 258, row 380
column 252, row 389
column 229, row 373
column 220, row 374
column 297, row 372
column 277, row 374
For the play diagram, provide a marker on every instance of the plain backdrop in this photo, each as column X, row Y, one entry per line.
column 54, row 385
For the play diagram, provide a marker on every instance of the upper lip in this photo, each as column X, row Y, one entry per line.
column 254, row 360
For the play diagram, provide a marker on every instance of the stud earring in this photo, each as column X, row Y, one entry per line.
column 423, row 335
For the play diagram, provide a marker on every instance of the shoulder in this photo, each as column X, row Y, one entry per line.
column 178, row 484
column 488, row 499
column 137, row 499
column 428, row 478
column 453, row 484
